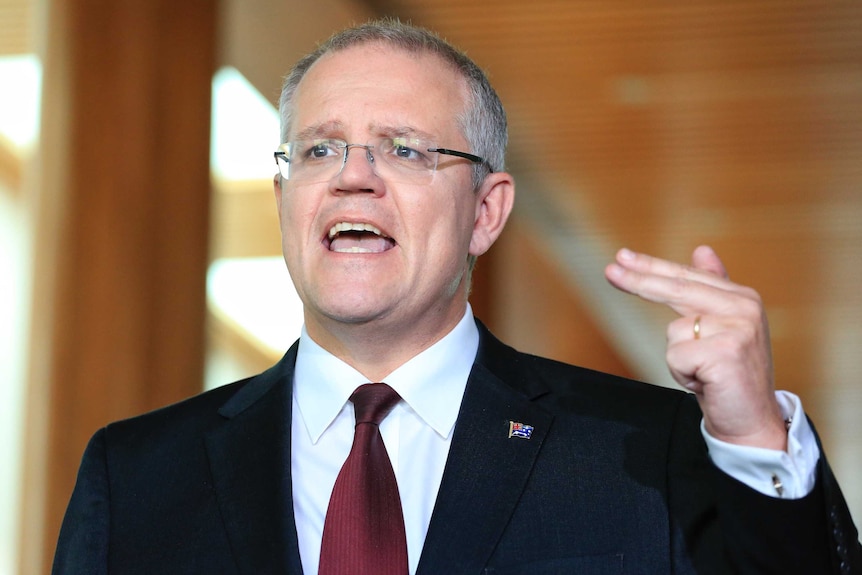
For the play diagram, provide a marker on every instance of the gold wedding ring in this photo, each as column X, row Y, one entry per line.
column 697, row 327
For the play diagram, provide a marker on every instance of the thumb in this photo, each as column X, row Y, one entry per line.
column 705, row 259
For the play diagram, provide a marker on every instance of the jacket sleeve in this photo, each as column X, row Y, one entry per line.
column 723, row 521
column 814, row 534
column 83, row 543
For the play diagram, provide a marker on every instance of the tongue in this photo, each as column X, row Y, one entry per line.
column 360, row 242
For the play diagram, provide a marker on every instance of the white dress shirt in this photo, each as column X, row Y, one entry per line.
column 765, row 470
column 418, row 431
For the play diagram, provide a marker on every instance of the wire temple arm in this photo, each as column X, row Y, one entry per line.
column 472, row 157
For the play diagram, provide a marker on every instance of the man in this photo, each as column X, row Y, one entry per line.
column 391, row 182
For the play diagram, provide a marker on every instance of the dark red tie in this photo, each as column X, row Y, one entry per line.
column 364, row 529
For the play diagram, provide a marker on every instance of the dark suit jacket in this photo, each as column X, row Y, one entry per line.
column 615, row 479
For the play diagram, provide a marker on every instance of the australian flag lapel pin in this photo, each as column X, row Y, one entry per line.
column 521, row 430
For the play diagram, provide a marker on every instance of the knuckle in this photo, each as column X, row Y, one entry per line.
column 678, row 286
column 751, row 309
column 752, row 295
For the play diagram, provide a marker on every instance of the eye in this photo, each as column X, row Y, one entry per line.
column 404, row 152
column 408, row 150
column 319, row 149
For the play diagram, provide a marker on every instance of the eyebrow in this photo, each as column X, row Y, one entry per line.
column 403, row 132
column 327, row 129
column 322, row 129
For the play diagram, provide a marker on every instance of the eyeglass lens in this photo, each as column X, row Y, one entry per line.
column 400, row 159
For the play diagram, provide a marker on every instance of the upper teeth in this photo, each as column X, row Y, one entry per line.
column 353, row 227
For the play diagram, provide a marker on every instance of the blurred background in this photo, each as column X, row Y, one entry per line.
column 139, row 244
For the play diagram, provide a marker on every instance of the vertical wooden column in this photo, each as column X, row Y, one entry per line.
column 125, row 178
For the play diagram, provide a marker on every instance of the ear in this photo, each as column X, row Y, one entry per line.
column 494, row 201
column 276, row 187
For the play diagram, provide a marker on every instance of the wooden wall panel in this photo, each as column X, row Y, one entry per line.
column 534, row 308
column 124, row 228
column 661, row 125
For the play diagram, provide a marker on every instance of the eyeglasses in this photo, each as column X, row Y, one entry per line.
column 401, row 159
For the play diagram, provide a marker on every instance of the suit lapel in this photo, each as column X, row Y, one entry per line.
column 486, row 470
column 485, row 474
column 250, row 463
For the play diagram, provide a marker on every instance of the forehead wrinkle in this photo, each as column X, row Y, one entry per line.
column 333, row 128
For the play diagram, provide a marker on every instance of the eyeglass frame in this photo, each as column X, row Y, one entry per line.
column 347, row 145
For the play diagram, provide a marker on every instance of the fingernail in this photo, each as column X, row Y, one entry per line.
column 627, row 254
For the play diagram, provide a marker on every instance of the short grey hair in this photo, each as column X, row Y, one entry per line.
column 483, row 121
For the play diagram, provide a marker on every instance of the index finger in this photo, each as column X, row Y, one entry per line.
column 685, row 289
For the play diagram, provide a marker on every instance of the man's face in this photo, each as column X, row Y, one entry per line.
column 409, row 273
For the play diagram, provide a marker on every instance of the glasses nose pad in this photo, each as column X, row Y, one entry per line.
column 368, row 156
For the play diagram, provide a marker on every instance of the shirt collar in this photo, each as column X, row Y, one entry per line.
column 431, row 383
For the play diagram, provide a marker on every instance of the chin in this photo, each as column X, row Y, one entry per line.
column 353, row 312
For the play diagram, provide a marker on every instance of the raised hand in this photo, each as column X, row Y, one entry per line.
column 719, row 346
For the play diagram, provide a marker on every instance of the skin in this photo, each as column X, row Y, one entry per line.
column 375, row 311
column 729, row 368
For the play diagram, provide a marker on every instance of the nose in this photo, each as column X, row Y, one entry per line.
column 358, row 174
column 369, row 156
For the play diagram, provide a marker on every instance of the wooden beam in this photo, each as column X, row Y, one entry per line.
column 244, row 220
column 16, row 26
column 10, row 167
column 124, row 226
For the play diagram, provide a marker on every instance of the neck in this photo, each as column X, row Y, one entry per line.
column 376, row 348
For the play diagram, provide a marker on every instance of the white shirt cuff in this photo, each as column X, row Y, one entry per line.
column 786, row 475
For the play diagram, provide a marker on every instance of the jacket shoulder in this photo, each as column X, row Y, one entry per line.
column 193, row 416
column 562, row 387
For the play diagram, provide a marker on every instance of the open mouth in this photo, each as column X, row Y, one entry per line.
column 358, row 238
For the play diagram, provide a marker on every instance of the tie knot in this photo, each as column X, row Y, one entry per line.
column 373, row 401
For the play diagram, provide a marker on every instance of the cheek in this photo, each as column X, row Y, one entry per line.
column 297, row 219
column 466, row 217
column 449, row 234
